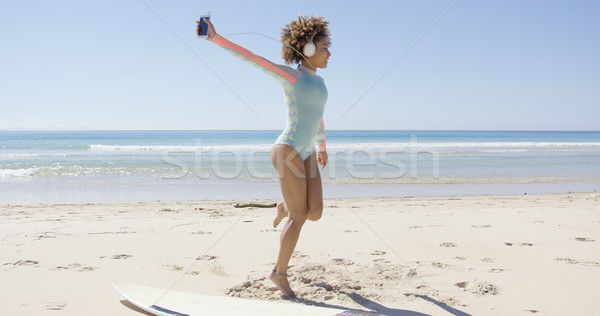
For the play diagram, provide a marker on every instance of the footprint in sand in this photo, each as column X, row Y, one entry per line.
column 76, row 267
column 533, row 311
column 567, row 260
column 581, row 262
column 200, row 233
column 378, row 253
column 584, row 239
column 481, row 226
column 25, row 263
column 487, row 260
column 168, row 210
column 206, row 257
column 496, row 270
column 173, row 267
column 342, row 261
column 479, row 288
column 121, row 256
column 448, row 244
column 55, row 306
column 46, row 235
column 121, row 232
column 520, row 244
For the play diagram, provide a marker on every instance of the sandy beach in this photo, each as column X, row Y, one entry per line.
column 477, row 255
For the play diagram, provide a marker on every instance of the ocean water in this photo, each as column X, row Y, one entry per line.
column 185, row 164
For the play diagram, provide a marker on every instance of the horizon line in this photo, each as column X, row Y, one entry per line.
column 245, row 130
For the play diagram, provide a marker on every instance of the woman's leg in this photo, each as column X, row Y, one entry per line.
column 314, row 188
column 292, row 178
column 314, row 192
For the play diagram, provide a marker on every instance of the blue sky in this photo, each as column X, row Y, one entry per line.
column 503, row 65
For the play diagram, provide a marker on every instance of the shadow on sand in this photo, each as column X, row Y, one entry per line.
column 374, row 308
column 367, row 303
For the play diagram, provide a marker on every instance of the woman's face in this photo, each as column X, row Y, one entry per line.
column 321, row 57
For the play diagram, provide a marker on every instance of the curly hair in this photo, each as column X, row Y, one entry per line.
column 298, row 33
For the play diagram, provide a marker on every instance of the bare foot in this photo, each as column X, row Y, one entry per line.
column 281, row 214
column 282, row 284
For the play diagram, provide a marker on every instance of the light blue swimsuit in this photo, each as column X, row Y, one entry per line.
column 305, row 95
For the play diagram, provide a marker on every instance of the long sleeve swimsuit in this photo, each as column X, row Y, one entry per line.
column 305, row 95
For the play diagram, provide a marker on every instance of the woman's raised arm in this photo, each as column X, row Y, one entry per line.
column 282, row 73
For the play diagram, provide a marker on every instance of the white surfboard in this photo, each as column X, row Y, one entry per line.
column 192, row 304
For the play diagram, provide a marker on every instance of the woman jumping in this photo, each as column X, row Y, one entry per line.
column 293, row 154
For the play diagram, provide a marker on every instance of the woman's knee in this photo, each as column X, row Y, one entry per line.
column 315, row 213
column 299, row 216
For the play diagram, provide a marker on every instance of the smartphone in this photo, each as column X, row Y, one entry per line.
column 202, row 26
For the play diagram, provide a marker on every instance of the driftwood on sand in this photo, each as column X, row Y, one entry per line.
column 255, row 205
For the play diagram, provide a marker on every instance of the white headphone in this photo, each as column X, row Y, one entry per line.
column 310, row 48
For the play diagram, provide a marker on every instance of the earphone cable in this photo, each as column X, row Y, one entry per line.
column 256, row 33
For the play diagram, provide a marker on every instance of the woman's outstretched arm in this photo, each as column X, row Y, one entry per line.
column 279, row 72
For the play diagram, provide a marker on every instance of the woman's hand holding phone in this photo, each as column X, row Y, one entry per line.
column 211, row 29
